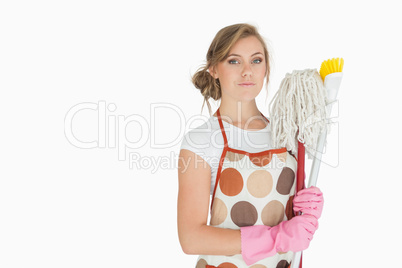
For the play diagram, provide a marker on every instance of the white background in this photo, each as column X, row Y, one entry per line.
column 66, row 206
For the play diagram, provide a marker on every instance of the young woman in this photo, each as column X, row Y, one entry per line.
column 230, row 159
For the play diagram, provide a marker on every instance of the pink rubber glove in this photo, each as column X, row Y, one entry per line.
column 309, row 201
column 260, row 241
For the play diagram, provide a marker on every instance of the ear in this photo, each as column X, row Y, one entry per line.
column 213, row 72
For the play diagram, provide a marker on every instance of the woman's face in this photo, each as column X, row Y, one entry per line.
column 241, row 75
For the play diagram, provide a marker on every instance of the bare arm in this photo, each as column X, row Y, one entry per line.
column 195, row 236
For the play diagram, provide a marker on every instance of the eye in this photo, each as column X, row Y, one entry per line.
column 257, row 61
column 233, row 61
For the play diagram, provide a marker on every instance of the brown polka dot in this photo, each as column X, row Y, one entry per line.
column 282, row 264
column 258, row 266
column 244, row 214
column 285, row 181
column 234, row 157
column 282, row 156
column 289, row 208
column 227, row 265
column 219, row 212
column 201, row 263
column 260, row 183
column 272, row 214
column 231, row 182
column 261, row 160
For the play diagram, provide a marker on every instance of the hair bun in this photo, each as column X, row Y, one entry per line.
column 208, row 86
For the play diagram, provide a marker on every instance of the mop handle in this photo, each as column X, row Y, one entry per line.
column 332, row 83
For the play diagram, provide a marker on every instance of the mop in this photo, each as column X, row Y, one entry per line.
column 300, row 110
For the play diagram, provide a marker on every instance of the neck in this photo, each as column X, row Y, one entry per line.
column 239, row 112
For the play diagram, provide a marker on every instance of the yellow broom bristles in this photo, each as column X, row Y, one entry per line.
column 334, row 65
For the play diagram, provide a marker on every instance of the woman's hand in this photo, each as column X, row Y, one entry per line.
column 260, row 241
column 309, row 201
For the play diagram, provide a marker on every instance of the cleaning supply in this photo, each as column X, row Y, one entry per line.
column 299, row 119
column 331, row 73
column 298, row 109
column 261, row 241
column 309, row 201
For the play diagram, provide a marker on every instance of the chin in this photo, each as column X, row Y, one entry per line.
column 247, row 98
column 249, row 95
column 243, row 95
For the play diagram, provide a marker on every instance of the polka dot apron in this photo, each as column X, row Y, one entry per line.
column 251, row 189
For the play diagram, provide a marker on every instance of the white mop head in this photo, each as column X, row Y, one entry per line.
column 298, row 110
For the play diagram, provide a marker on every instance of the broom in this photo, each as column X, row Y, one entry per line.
column 300, row 109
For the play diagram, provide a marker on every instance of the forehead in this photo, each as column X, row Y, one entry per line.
column 247, row 46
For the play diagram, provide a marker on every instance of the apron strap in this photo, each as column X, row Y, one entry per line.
column 265, row 117
column 225, row 139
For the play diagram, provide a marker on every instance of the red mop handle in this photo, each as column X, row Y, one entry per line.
column 300, row 167
column 301, row 152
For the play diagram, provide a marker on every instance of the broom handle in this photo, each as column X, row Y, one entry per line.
column 332, row 83
column 315, row 166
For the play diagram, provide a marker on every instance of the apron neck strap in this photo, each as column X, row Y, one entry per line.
column 225, row 139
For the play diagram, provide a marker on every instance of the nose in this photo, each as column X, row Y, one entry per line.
column 247, row 70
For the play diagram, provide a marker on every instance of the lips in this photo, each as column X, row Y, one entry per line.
column 247, row 84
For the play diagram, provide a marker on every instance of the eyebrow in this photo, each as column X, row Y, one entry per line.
column 237, row 55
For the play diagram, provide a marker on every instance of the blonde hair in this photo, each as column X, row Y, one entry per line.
column 219, row 51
